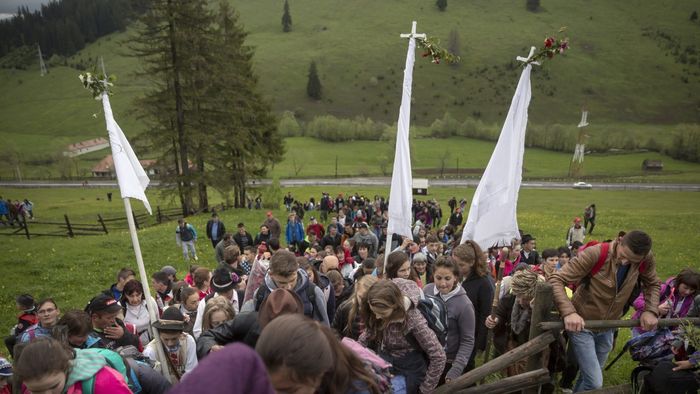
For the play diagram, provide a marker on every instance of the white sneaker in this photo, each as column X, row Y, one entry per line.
column 567, row 391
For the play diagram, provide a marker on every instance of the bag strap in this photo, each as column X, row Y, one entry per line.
column 604, row 248
column 622, row 351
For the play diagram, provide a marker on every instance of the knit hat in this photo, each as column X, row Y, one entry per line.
column 171, row 320
column 5, row 368
column 224, row 280
column 169, row 269
column 279, row 302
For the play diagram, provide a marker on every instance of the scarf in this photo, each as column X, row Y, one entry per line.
column 519, row 318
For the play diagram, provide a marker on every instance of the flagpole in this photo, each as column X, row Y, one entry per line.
column 400, row 194
column 151, row 307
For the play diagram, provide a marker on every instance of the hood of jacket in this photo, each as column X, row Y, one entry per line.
column 409, row 289
column 302, row 281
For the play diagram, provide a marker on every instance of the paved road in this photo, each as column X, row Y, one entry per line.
column 381, row 182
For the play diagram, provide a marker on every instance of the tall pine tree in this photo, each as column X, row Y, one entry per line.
column 170, row 47
column 286, row 18
column 247, row 138
column 313, row 86
column 204, row 113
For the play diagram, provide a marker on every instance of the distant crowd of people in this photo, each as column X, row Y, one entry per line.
column 335, row 305
column 14, row 212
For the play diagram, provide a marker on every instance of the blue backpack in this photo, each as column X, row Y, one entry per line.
column 649, row 347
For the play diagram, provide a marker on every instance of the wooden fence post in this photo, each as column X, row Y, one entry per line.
column 136, row 221
column 523, row 351
column 70, row 229
column 540, row 312
column 102, row 222
column 24, row 224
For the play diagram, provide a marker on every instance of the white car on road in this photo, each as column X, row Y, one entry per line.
column 582, row 185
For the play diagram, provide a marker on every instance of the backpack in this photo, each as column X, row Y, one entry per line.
column 649, row 347
column 308, row 299
column 434, row 310
column 116, row 362
column 375, row 365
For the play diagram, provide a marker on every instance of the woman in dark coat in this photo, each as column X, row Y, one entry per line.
column 479, row 287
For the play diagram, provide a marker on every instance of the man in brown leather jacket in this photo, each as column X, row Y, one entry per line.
column 603, row 297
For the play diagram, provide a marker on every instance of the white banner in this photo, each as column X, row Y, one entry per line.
column 492, row 217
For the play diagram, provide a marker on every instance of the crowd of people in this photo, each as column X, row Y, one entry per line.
column 333, row 305
column 14, row 212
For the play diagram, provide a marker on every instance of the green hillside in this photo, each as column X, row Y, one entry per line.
column 625, row 65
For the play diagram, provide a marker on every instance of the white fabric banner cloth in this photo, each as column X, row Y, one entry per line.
column 131, row 177
column 401, row 193
column 492, row 216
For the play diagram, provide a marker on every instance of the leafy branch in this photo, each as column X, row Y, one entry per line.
column 433, row 49
column 97, row 83
column 552, row 46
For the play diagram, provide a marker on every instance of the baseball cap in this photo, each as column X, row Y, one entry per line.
column 103, row 303
column 312, row 218
column 364, row 225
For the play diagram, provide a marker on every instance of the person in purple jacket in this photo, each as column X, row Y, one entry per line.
column 234, row 369
column 675, row 297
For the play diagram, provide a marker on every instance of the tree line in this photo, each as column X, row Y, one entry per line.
column 203, row 112
column 64, row 27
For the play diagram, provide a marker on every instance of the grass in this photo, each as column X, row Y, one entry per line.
column 308, row 157
column 73, row 270
column 631, row 83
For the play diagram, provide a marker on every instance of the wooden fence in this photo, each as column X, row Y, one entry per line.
column 103, row 225
column 544, row 328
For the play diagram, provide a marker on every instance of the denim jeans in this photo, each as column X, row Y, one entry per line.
column 591, row 350
column 187, row 248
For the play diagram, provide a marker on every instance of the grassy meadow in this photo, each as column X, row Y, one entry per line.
column 620, row 67
column 73, row 270
column 307, row 157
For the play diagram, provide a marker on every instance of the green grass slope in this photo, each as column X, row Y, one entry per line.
column 624, row 65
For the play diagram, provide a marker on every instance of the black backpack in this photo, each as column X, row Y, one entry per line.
column 308, row 299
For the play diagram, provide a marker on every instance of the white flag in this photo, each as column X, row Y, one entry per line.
column 401, row 194
column 492, row 217
column 131, row 177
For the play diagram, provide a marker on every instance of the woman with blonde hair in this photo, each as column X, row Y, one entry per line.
column 348, row 321
column 216, row 312
column 479, row 287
